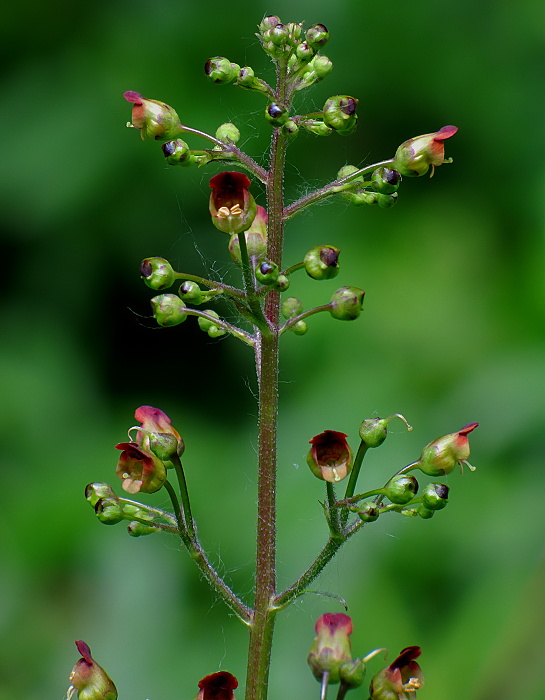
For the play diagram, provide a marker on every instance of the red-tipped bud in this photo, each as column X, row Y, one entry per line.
column 400, row 679
column 442, row 455
column 331, row 646
column 157, row 434
column 347, row 303
column 414, row 157
column 330, row 457
column 217, row 686
column 89, row 680
column 155, row 119
column 232, row 207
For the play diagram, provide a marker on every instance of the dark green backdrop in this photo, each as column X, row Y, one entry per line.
column 453, row 332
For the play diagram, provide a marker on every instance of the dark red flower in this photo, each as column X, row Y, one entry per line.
column 330, row 457
column 140, row 470
column 232, row 207
column 400, row 679
column 217, row 686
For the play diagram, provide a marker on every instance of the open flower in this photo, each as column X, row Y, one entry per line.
column 217, row 686
column 442, row 455
column 232, row 207
column 331, row 646
column 414, row 157
column 400, row 679
column 89, row 680
column 139, row 469
column 330, row 457
column 155, row 119
column 157, row 434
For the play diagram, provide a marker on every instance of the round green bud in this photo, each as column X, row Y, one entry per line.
column 276, row 114
column 322, row 262
column 316, row 127
column 435, row 496
column 157, row 273
column 228, row 132
column 340, row 112
column 267, row 272
column 322, row 66
column 109, row 511
column 136, row 529
column 347, row 170
column 177, row 152
column 317, row 36
column 246, row 77
column 352, row 673
column 216, row 332
column 282, row 283
column 168, row 309
column 220, row 70
column 401, row 489
column 290, row 128
column 294, row 32
column 205, row 323
column 346, row 303
column 291, row 307
column 350, row 129
column 299, row 328
column 368, row 512
column 361, row 197
column 424, row 513
column 304, row 52
column 97, row 490
column 385, row 180
column 385, row 201
column 190, row 291
column 268, row 23
column 373, row 432
column 279, row 35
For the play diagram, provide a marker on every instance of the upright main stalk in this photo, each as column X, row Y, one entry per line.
column 262, row 624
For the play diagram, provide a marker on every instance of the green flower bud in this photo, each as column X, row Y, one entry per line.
column 97, row 490
column 177, row 152
column 267, row 272
column 401, row 489
column 317, row 36
column 206, row 324
column 154, row 119
column 89, row 680
column 373, row 431
column 435, row 496
column 268, row 23
column 228, row 132
column 279, row 35
column 414, row 157
column 220, row 70
column 385, row 201
column 368, row 512
column 190, row 291
column 137, row 529
column 347, row 170
column 304, row 52
column 322, row 262
column 316, row 127
column 256, row 239
column 157, row 273
column 299, row 328
column 347, row 303
column 291, row 307
column 216, row 332
column 168, row 310
column 424, row 512
column 290, row 128
column 109, row 511
column 295, row 31
column 322, row 66
column 360, row 197
column 282, row 283
column 442, row 455
column 247, row 79
column 385, row 180
column 352, row 673
column 276, row 114
column 340, row 112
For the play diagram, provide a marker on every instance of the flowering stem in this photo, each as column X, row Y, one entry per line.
column 333, row 513
column 327, row 190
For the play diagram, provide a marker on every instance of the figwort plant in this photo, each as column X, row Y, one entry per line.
column 263, row 313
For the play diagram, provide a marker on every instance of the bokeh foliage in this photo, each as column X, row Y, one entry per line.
column 453, row 332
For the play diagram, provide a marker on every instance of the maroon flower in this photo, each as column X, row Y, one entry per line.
column 400, row 679
column 232, row 207
column 330, row 457
column 415, row 156
column 155, row 119
column 139, row 469
column 89, row 680
column 331, row 647
column 217, row 686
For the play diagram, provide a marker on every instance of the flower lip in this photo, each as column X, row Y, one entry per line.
column 445, row 132
column 405, row 657
column 134, row 97
column 217, row 686
column 330, row 457
column 334, row 621
column 468, row 428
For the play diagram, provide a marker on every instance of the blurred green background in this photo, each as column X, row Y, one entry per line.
column 453, row 332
